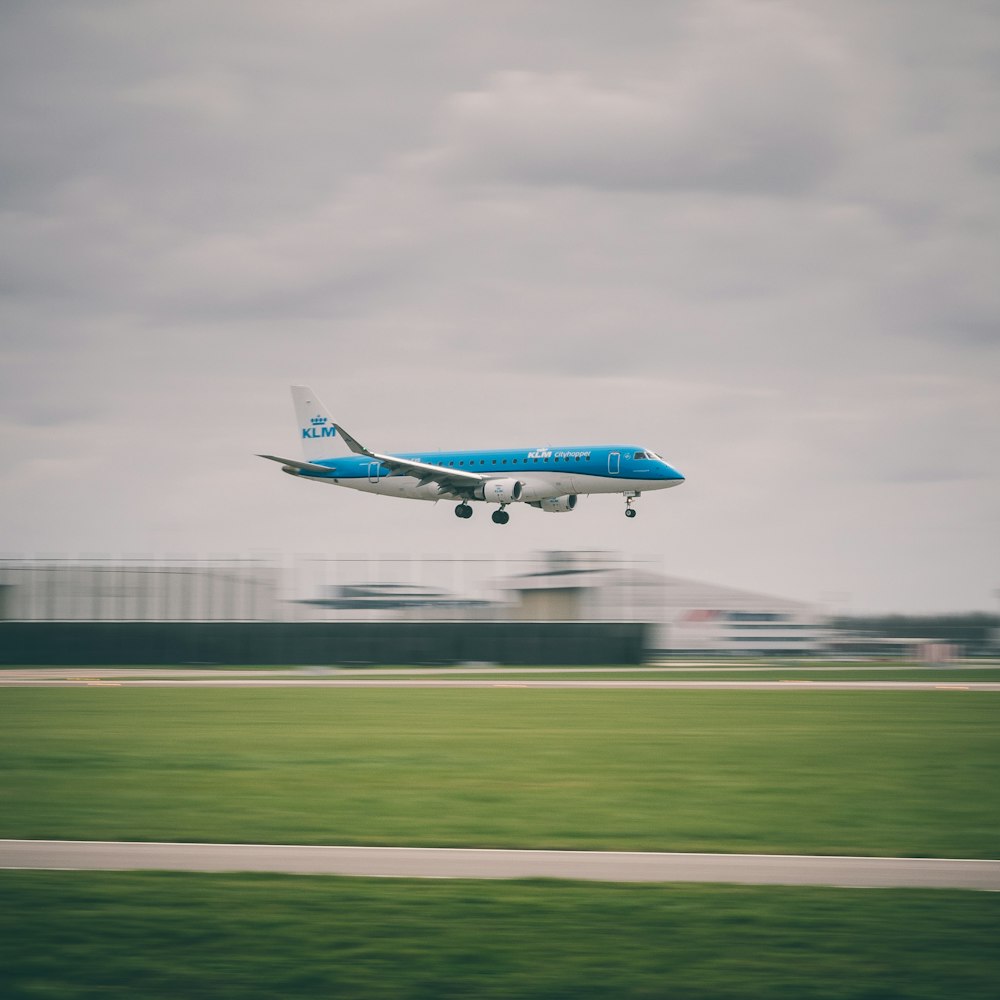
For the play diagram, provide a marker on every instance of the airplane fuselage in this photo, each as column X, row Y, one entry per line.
column 544, row 473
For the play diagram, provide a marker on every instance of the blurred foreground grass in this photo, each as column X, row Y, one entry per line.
column 157, row 935
column 865, row 773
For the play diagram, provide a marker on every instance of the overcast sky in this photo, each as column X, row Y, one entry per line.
column 758, row 237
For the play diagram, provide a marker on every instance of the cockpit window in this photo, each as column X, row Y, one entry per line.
column 654, row 456
column 640, row 454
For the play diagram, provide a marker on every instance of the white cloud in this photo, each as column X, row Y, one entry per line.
column 757, row 99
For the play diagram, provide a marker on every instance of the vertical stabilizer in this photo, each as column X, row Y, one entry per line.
column 317, row 431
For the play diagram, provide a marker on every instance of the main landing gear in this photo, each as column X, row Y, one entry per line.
column 464, row 510
column 501, row 516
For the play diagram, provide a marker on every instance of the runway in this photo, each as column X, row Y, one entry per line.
column 439, row 863
column 488, row 671
column 622, row 685
column 325, row 678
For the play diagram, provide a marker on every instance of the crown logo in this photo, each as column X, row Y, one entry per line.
column 317, row 421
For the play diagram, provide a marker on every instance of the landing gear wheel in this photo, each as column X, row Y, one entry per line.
column 500, row 517
column 463, row 510
column 630, row 512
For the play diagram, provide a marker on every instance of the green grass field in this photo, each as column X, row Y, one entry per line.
column 804, row 772
column 898, row 773
column 159, row 935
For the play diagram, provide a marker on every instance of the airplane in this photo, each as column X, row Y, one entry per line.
column 549, row 478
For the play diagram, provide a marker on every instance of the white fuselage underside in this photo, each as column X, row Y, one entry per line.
column 537, row 486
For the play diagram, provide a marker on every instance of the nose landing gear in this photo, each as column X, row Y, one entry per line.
column 630, row 511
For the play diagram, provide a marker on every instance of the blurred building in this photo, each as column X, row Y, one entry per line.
column 138, row 590
column 407, row 600
column 687, row 616
column 557, row 587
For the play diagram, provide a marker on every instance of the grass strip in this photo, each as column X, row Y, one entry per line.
column 849, row 773
column 167, row 935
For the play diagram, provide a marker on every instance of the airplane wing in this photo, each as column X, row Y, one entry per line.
column 301, row 466
column 449, row 480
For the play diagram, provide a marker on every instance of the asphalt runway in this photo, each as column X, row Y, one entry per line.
column 416, row 862
column 487, row 670
column 321, row 677
column 565, row 685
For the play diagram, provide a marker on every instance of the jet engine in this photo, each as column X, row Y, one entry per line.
column 557, row 505
column 501, row 490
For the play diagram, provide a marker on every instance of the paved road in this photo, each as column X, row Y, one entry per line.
column 98, row 677
column 407, row 862
column 487, row 671
column 245, row 682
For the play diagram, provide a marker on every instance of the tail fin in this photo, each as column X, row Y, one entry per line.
column 317, row 430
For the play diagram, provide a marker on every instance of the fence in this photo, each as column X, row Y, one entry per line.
column 319, row 643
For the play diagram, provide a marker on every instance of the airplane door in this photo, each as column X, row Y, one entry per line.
column 373, row 472
column 614, row 458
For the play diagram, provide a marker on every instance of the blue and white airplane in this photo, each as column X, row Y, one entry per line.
column 549, row 478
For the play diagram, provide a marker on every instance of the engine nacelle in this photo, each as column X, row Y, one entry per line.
column 501, row 490
column 557, row 505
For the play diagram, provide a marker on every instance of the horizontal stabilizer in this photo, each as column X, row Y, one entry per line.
column 291, row 463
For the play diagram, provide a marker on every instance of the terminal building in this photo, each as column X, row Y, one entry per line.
column 685, row 616
column 681, row 616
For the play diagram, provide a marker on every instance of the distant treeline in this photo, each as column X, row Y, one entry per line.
column 975, row 632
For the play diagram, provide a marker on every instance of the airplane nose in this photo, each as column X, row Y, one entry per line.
column 672, row 473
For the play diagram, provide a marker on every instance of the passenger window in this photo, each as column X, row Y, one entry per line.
column 494, row 461
column 515, row 461
column 504, row 462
